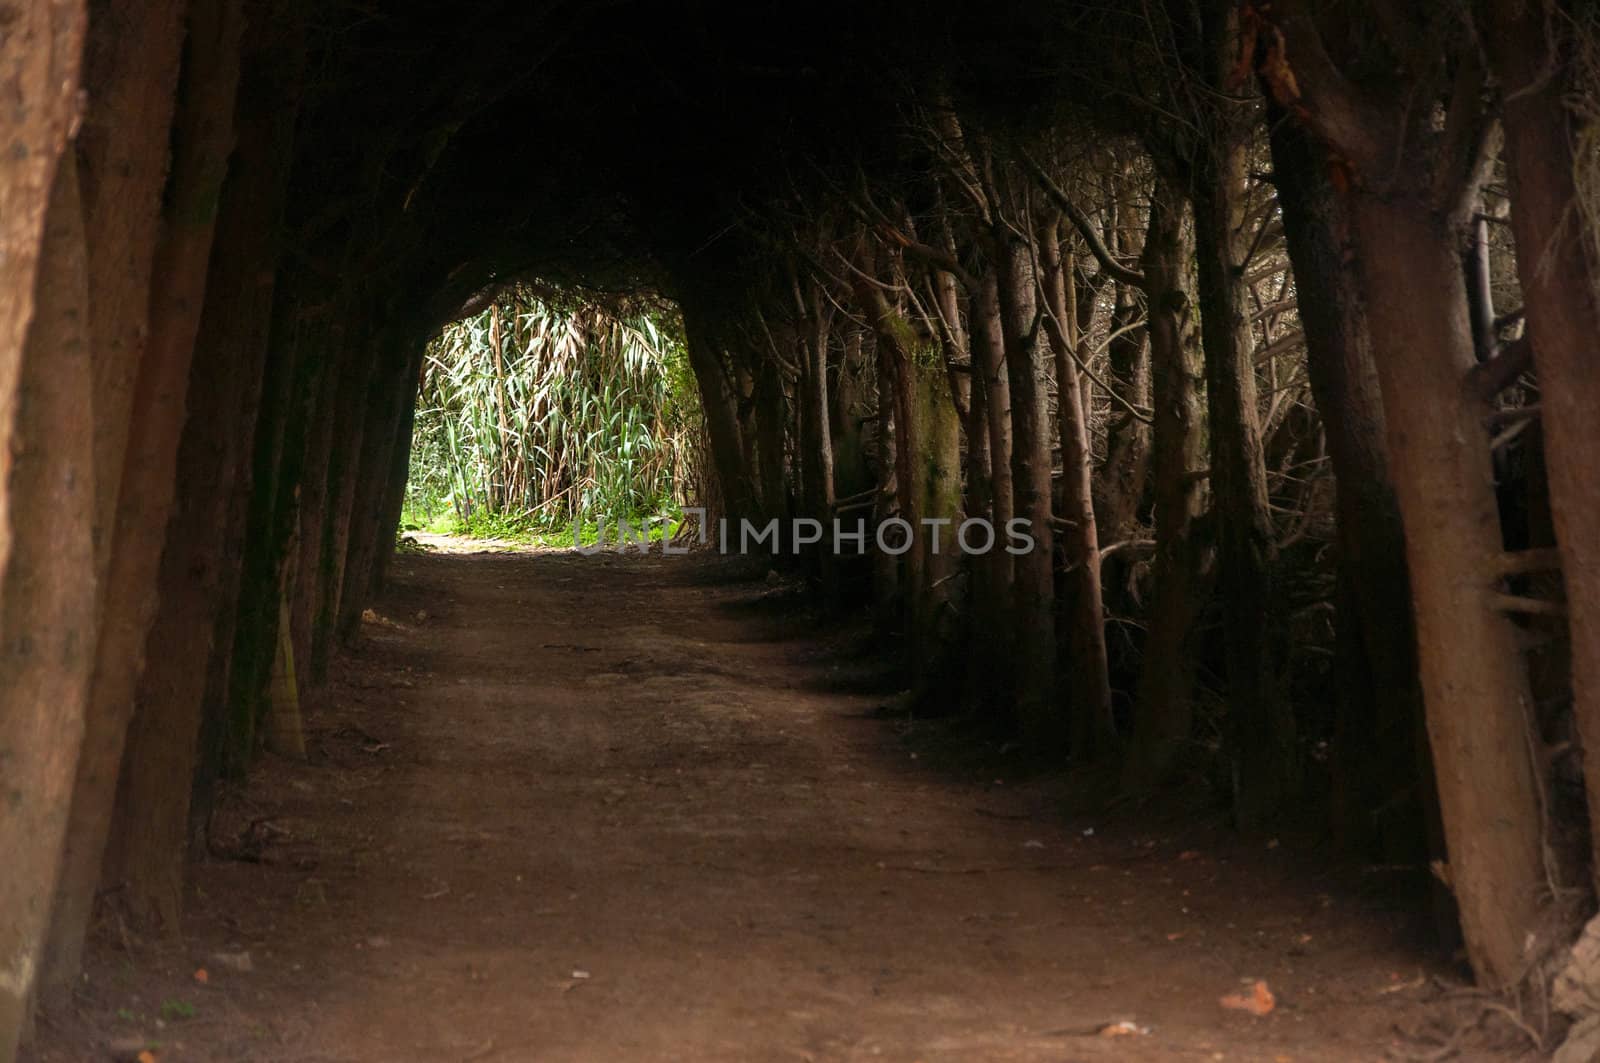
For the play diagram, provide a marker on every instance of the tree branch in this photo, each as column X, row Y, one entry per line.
column 1080, row 221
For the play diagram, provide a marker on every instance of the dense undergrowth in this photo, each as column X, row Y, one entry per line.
column 546, row 411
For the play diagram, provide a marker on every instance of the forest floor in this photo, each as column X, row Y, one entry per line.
column 619, row 808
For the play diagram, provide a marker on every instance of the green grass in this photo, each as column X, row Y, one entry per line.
column 548, row 534
column 172, row 1010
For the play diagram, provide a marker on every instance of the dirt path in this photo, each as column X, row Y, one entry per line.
column 567, row 808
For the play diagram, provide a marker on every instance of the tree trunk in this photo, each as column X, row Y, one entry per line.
column 1261, row 729
column 991, row 680
column 201, row 142
column 386, row 392
column 721, row 406
column 130, row 71
column 372, row 526
column 297, row 366
column 1121, row 484
column 1376, row 750
column 899, row 349
column 850, row 472
column 1561, row 289
column 40, row 59
column 1094, row 735
column 344, row 465
column 145, row 857
column 1473, row 679
column 769, row 421
column 1033, row 596
column 312, row 485
column 394, row 498
column 1163, row 710
column 47, row 595
column 886, row 578
column 935, row 467
column 816, row 445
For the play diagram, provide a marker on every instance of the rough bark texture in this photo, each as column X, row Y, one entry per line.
column 816, row 442
column 146, row 463
column 47, row 598
column 1163, row 710
column 1093, row 729
column 851, row 474
column 1261, row 730
column 344, row 468
column 40, row 54
column 900, row 350
column 992, row 418
column 1120, row 487
column 936, row 491
column 394, row 498
column 718, row 400
column 392, row 388
column 1033, row 615
column 296, row 367
column 307, row 486
column 130, row 72
column 1376, row 750
column 145, row 856
column 1473, row 680
column 1561, row 290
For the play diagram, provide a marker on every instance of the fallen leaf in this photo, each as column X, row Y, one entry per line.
column 1175, row 935
column 1122, row 1029
column 201, row 976
column 1259, row 1001
column 147, row 1056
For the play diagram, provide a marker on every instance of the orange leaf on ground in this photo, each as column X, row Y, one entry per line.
column 201, row 976
column 1258, row 1001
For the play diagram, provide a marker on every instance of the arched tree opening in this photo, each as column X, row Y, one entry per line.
column 1196, row 393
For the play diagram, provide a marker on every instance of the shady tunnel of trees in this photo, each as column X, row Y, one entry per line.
column 1275, row 321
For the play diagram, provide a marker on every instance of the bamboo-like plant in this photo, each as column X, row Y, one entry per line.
column 542, row 409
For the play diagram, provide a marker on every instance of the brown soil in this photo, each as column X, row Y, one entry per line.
column 612, row 808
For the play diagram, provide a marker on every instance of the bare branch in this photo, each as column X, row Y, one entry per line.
column 1081, row 222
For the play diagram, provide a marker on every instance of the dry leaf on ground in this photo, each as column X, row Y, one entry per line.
column 1258, row 1001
